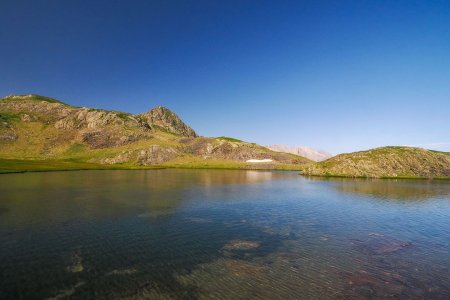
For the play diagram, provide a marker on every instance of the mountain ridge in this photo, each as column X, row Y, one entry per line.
column 313, row 154
column 38, row 127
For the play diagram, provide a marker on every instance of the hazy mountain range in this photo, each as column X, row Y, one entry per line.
column 312, row 154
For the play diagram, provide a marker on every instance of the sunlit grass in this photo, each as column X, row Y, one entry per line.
column 21, row 166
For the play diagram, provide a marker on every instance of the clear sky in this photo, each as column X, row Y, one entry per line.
column 334, row 75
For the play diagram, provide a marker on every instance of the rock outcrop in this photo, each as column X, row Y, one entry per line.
column 7, row 134
column 168, row 120
column 156, row 155
column 64, row 116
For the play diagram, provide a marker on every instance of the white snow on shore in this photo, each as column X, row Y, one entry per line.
column 259, row 160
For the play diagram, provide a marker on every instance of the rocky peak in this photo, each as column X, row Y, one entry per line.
column 166, row 119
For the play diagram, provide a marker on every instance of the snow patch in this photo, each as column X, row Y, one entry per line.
column 259, row 160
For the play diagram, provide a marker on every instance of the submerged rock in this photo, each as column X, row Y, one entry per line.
column 77, row 264
column 64, row 294
column 371, row 285
column 242, row 268
column 128, row 271
column 391, row 246
column 380, row 244
column 241, row 245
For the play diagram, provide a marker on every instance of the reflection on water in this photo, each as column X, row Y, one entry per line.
column 389, row 189
column 221, row 234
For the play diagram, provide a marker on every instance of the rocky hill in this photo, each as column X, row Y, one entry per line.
column 168, row 120
column 385, row 162
column 307, row 152
column 41, row 128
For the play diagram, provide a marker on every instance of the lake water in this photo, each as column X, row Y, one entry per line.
column 188, row 234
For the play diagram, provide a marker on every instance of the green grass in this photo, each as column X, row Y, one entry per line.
column 189, row 162
column 122, row 115
column 328, row 175
column 75, row 149
column 228, row 139
column 32, row 98
column 21, row 166
column 166, row 131
column 8, row 117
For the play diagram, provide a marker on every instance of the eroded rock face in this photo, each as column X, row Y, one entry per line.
column 92, row 119
column 107, row 138
column 221, row 150
column 156, row 155
column 168, row 120
column 7, row 132
column 118, row 159
column 28, row 118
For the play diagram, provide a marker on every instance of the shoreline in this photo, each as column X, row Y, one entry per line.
column 381, row 177
column 15, row 166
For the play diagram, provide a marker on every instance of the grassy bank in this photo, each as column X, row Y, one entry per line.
column 381, row 177
column 21, row 166
column 199, row 163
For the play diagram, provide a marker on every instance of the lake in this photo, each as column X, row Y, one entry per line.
column 221, row 234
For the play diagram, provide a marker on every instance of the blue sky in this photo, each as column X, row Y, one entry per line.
column 334, row 75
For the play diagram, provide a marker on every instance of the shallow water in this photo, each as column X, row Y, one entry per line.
column 176, row 234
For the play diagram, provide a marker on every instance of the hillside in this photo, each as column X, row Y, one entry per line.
column 385, row 162
column 34, row 127
column 307, row 152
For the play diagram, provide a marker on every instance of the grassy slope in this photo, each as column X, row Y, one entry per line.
column 40, row 146
column 37, row 140
column 32, row 98
column 385, row 162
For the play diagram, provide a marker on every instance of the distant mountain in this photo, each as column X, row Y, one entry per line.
column 41, row 128
column 307, row 152
column 385, row 162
